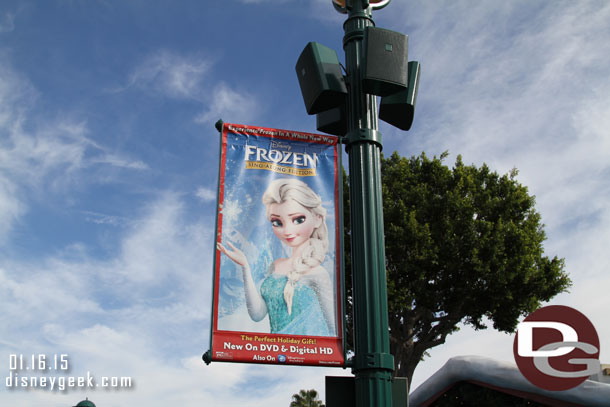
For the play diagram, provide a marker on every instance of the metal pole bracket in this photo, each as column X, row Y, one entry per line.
column 373, row 361
column 363, row 136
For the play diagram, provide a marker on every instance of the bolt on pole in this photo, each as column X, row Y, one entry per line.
column 373, row 364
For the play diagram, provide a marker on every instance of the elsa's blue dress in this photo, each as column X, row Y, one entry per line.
column 306, row 317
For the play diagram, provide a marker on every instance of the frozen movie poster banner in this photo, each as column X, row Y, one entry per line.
column 277, row 269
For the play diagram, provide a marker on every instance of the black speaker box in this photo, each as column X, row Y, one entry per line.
column 385, row 67
column 398, row 109
column 333, row 121
column 320, row 77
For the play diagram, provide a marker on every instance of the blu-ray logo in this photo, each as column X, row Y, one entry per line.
column 556, row 348
column 281, row 358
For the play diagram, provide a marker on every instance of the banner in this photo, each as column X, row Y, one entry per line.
column 277, row 280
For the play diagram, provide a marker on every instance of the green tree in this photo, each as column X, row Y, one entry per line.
column 462, row 244
column 306, row 398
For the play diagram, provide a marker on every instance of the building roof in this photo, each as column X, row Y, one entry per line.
column 85, row 403
column 506, row 378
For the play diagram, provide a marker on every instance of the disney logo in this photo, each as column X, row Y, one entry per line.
column 279, row 144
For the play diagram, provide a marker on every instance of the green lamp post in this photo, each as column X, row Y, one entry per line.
column 375, row 65
column 373, row 364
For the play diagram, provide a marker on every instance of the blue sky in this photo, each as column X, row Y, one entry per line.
column 108, row 166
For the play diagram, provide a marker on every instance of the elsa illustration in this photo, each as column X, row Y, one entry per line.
column 297, row 292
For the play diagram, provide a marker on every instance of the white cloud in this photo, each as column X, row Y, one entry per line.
column 11, row 207
column 171, row 75
column 16, row 96
column 149, row 254
column 206, row 194
column 46, row 161
column 184, row 77
column 28, row 301
column 498, row 78
column 103, row 219
column 7, row 22
column 240, row 107
column 117, row 160
column 37, row 156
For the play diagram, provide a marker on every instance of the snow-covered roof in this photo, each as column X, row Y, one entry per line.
column 502, row 376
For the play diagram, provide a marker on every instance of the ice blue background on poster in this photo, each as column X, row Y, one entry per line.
column 245, row 225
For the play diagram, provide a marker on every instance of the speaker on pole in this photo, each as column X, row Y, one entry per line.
column 398, row 109
column 320, row 78
column 385, row 66
column 333, row 121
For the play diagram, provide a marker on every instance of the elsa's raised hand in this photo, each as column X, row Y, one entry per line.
column 236, row 255
column 257, row 309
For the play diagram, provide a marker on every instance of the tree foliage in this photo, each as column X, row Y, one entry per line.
column 462, row 244
column 306, row 398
